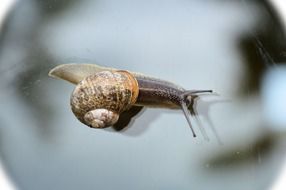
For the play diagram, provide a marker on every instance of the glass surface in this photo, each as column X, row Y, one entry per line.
column 235, row 48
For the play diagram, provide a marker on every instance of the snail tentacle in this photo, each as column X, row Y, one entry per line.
column 185, row 103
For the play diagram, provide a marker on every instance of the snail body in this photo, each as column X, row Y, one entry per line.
column 102, row 94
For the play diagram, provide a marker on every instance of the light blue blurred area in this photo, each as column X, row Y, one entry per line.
column 192, row 43
column 274, row 93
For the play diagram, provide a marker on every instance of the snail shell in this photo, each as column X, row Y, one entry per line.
column 98, row 99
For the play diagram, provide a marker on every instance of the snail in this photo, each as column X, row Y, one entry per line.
column 103, row 94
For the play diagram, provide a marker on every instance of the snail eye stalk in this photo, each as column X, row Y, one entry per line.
column 186, row 111
column 195, row 92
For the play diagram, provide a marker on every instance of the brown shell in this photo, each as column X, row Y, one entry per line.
column 113, row 90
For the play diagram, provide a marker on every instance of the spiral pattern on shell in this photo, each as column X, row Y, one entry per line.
column 116, row 91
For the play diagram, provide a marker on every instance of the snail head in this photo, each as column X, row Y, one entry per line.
column 186, row 103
